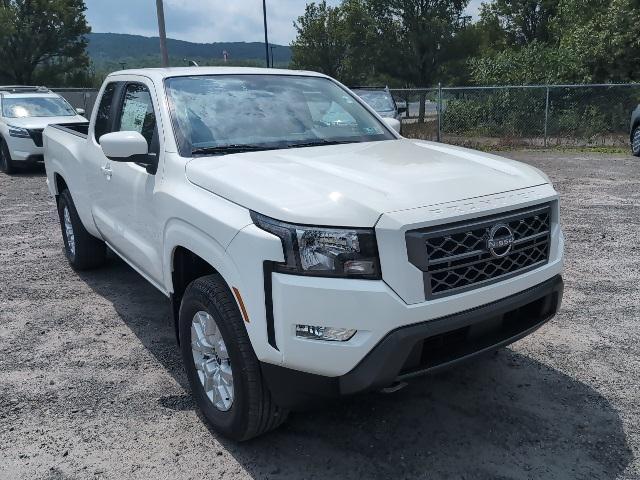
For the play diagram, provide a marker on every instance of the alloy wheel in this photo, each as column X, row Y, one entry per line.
column 212, row 360
column 68, row 230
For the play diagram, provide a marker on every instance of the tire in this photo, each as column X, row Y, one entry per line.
column 83, row 250
column 6, row 164
column 249, row 410
column 635, row 142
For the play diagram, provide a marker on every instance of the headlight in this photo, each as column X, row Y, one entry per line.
column 324, row 251
column 19, row 132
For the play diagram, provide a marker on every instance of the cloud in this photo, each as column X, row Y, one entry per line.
column 204, row 20
column 199, row 20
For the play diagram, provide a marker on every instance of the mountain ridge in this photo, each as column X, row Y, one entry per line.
column 113, row 48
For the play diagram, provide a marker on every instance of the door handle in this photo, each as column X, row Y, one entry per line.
column 106, row 171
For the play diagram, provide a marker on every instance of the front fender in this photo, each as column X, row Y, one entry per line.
column 179, row 233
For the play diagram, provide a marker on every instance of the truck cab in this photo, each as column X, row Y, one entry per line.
column 307, row 249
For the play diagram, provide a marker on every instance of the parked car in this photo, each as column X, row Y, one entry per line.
column 308, row 250
column 635, row 132
column 381, row 100
column 24, row 113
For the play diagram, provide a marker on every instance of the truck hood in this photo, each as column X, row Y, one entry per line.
column 42, row 122
column 353, row 184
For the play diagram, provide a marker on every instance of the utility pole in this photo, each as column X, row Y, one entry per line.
column 272, row 47
column 266, row 37
column 163, row 34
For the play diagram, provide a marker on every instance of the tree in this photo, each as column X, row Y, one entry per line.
column 41, row 37
column 320, row 44
column 521, row 21
column 420, row 33
column 602, row 37
column 402, row 42
column 585, row 41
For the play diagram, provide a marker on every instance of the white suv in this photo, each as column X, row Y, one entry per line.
column 24, row 113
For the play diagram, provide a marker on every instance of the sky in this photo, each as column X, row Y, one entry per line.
column 205, row 21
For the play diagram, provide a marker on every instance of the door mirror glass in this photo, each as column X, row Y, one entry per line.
column 393, row 123
column 125, row 147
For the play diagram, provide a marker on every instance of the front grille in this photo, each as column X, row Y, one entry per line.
column 36, row 136
column 458, row 257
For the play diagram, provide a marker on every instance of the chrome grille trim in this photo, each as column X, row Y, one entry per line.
column 455, row 257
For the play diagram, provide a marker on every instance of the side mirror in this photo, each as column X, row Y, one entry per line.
column 80, row 111
column 402, row 110
column 393, row 123
column 125, row 147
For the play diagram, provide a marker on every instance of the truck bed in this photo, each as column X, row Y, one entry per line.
column 78, row 129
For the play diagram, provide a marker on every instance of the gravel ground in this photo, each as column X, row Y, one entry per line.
column 91, row 381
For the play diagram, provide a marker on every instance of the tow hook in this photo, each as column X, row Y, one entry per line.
column 394, row 387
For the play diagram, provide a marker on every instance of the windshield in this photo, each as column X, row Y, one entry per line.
column 21, row 107
column 379, row 100
column 223, row 113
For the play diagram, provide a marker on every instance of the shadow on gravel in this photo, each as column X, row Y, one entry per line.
column 506, row 416
column 29, row 171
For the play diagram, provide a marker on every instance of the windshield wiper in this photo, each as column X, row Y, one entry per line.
column 320, row 142
column 234, row 148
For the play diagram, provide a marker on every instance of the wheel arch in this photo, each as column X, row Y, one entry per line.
column 190, row 254
column 59, row 184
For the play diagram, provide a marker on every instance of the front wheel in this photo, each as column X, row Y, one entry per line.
column 6, row 164
column 83, row 250
column 635, row 142
column 222, row 368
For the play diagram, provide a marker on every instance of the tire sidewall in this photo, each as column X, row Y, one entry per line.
column 66, row 202
column 5, row 157
column 234, row 421
column 635, row 152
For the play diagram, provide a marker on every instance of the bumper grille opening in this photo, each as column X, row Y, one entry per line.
column 36, row 136
column 456, row 344
column 458, row 257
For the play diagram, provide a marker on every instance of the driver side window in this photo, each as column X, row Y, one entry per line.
column 137, row 113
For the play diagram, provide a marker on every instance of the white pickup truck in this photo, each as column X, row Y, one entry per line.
column 309, row 251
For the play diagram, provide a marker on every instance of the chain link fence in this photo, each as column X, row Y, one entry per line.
column 530, row 115
column 519, row 116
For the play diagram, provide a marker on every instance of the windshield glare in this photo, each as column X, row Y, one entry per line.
column 379, row 100
column 270, row 111
column 22, row 107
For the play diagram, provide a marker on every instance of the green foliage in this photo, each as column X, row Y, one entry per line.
column 42, row 40
column 400, row 42
column 506, row 113
column 321, row 44
column 566, row 41
column 420, row 34
column 587, row 115
column 521, row 22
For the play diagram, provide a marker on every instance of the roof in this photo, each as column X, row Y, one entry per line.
column 22, row 89
column 162, row 73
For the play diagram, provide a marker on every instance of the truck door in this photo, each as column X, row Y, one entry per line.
column 125, row 203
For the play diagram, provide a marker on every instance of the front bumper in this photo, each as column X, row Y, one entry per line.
column 24, row 150
column 424, row 347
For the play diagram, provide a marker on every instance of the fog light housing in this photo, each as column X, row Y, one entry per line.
column 329, row 334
